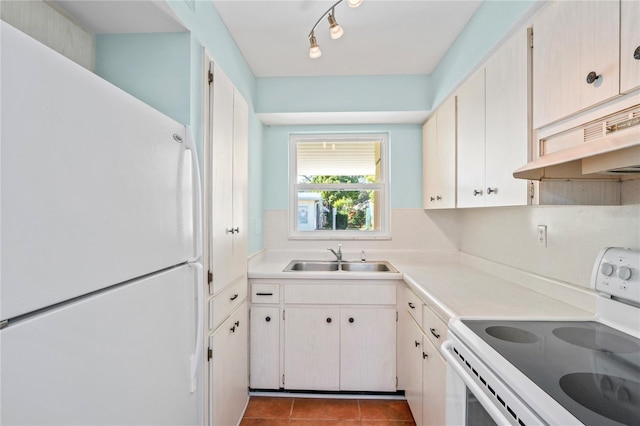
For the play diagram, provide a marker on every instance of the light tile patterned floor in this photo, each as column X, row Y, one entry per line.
column 276, row 411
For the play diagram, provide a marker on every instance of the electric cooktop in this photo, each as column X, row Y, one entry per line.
column 589, row 368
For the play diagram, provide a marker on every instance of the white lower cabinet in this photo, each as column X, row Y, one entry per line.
column 265, row 347
column 413, row 366
column 228, row 369
column 323, row 335
column 423, row 368
column 434, row 383
column 312, row 348
column 367, row 349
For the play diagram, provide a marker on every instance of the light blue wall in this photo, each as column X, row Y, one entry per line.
column 155, row 68
column 491, row 22
column 338, row 94
column 405, row 161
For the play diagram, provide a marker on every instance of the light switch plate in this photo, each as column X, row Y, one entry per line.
column 542, row 236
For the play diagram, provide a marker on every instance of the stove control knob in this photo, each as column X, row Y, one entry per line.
column 606, row 269
column 624, row 273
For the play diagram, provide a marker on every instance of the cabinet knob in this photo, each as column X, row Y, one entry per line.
column 438, row 198
column 591, row 77
column 435, row 333
column 417, row 343
column 492, row 191
column 411, row 305
column 267, row 319
column 329, row 320
column 636, row 54
column 233, row 329
column 236, row 230
column 230, row 231
column 351, row 320
column 424, row 355
column 432, row 199
column 477, row 192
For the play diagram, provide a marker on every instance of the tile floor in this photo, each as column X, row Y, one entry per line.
column 285, row 411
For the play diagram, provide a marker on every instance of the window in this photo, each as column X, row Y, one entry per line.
column 339, row 186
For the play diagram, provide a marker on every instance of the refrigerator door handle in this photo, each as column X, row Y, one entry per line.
column 189, row 144
column 195, row 357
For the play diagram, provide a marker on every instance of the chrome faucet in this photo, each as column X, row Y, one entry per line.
column 338, row 254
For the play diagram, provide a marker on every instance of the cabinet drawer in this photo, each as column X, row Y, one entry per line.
column 414, row 306
column 265, row 293
column 221, row 306
column 367, row 294
column 311, row 293
column 435, row 329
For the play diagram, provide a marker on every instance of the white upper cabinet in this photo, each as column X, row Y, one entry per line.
column 229, row 139
column 507, row 122
column 629, row 46
column 493, row 129
column 439, row 158
column 576, row 56
column 471, row 141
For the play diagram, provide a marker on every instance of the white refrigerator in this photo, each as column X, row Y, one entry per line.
column 100, row 232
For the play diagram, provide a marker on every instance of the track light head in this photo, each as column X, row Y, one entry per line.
column 354, row 3
column 314, row 49
column 335, row 29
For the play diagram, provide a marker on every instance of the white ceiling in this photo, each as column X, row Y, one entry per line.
column 381, row 37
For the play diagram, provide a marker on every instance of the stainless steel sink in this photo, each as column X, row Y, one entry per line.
column 312, row 265
column 329, row 266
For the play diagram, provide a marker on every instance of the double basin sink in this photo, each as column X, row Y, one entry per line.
column 334, row 265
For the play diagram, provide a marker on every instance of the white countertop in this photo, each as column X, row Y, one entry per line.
column 450, row 287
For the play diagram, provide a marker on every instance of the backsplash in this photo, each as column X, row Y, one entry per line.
column 505, row 235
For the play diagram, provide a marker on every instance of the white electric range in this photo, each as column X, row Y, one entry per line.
column 533, row 372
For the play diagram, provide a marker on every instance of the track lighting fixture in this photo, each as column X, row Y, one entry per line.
column 335, row 30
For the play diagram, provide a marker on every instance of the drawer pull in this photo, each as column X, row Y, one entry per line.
column 434, row 332
column 412, row 306
column 234, row 297
column 417, row 343
column 267, row 319
column 351, row 320
column 264, row 294
column 329, row 320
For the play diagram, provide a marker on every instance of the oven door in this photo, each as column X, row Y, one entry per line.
column 476, row 397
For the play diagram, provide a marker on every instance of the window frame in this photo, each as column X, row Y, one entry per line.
column 384, row 232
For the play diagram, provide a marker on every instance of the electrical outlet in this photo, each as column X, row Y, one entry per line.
column 542, row 236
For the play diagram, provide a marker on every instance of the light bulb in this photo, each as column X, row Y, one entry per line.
column 354, row 3
column 315, row 52
column 314, row 49
column 335, row 29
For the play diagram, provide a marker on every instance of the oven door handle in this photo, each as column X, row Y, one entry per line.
column 482, row 397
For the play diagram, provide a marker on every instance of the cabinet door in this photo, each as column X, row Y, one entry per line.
column 629, row 45
column 312, row 348
column 228, row 384
column 368, row 349
column 221, row 240
column 571, row 40
column 507, row 122
column 265, row 347
column 434, row 378
column 430, row 169
column 446, row 124
column 413, row 385
column 471, row 142
column 240, row 178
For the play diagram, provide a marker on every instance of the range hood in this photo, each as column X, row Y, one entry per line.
column 607, row 148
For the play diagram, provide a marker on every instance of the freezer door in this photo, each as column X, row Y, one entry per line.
column 95, row 188
column 119, row 357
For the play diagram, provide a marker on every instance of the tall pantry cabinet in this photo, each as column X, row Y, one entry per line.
column 227, row 250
